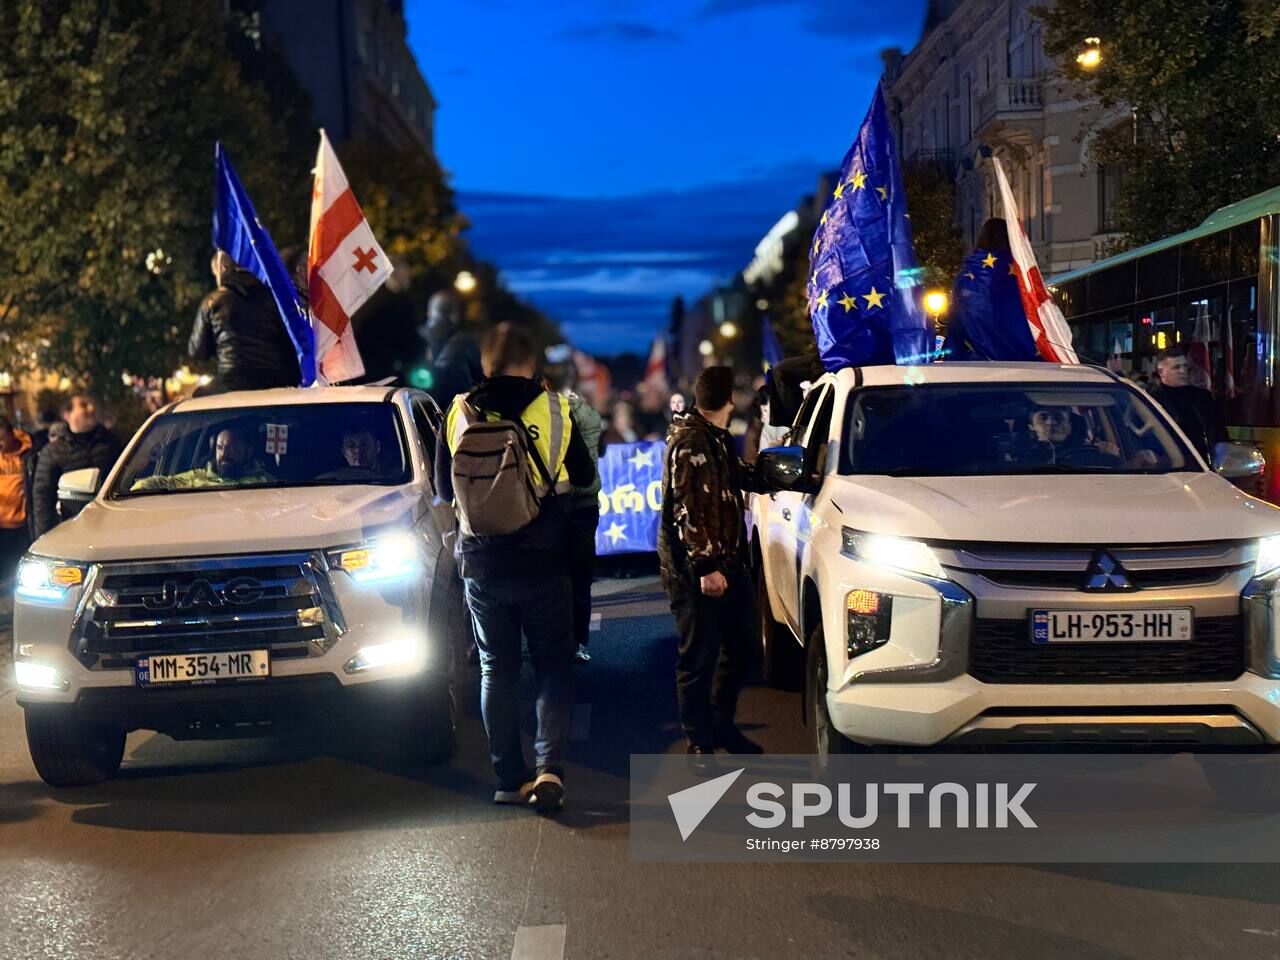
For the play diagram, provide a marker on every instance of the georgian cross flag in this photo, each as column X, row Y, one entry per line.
column 345, row 266
column 1048, row 326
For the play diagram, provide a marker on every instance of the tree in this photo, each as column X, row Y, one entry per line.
column 931, row 198
column 1202, row 81
column 109, row 110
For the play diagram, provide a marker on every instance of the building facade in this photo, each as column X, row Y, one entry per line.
column 352, row 57
column 978, row 85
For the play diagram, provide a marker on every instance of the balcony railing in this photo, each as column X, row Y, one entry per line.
column 1020, row 97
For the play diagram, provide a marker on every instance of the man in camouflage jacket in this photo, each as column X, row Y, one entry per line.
column 702, row 548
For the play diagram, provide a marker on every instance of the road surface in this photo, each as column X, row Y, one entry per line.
column 265, row 849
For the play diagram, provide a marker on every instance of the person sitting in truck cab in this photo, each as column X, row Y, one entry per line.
column 233, row 464
column 360, row 449
column 1053, row 436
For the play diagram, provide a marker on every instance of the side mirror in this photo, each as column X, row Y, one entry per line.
column 79, row 485
column 1237, row 461
column 782, row 468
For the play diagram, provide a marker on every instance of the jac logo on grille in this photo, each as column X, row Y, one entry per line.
column 201, row 593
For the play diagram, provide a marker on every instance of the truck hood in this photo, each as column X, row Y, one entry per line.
column 1115, row 509
column 213, row 522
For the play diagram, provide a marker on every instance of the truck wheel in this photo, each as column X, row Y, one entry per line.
column 825, row 741
column 431, row 734
column 71, row 753
column 1244, row 783
column 781, row 661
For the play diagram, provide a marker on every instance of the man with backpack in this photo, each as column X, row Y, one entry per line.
column 511, row 454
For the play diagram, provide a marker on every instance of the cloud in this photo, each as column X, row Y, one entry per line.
column 607, row 269
column 621, row 31
column 823, row 17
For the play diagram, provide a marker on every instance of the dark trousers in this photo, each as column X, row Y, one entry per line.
column 13, row 544
column 540, row 608
column 582, row 567
column 716, row 637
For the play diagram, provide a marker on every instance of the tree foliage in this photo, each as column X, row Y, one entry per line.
column 931, row 199
column 1202, row 78
column 109, row 110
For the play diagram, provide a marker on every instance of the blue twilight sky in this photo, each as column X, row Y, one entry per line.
column 612, row 155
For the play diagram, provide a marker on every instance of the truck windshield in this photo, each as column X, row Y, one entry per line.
column 296, row 445
column 952, row 430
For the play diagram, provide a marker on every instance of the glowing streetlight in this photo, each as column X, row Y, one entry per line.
column 465, row 281
column 728, row 329
column 762, row 304
column 706, row 348
column 1091, row 56
column 935, row 301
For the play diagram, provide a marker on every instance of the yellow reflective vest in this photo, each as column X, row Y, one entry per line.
column 548, row 428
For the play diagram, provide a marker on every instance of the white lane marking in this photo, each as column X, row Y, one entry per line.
column 539, row 943
column 580, row 728
column 595, row 622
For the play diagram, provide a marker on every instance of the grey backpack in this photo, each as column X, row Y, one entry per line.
column 494, row 488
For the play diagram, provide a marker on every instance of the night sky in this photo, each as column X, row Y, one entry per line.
column 611, row 155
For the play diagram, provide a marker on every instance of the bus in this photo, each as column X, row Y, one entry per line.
column 1214, row 291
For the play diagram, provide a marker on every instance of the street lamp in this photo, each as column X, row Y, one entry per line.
column 465, row 281
column 706, row 348
column 728, row 329
column 1091, row 56
column 935, row 301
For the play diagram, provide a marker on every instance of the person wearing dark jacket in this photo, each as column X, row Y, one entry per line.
column 453, row 356
column 702, row 553
column 519, row 582
column 1193, row 408
column 86, row 443
column 238, row 326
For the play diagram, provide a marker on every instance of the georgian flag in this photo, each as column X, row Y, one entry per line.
column 1048, row 326
column 345, row 266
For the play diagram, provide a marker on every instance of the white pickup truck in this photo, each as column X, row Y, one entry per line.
column 1001, row 554
column 253, row 561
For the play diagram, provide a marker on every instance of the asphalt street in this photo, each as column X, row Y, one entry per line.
column 282, row 850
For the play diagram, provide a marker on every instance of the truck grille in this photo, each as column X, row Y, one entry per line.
column 280, row 603
column 1002, row 652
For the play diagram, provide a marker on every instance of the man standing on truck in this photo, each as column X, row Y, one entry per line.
column 702, row 549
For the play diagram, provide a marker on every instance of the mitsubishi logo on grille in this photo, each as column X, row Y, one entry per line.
column 1106, row 573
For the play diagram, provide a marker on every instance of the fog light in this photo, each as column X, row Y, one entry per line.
column 869, row 617
column 38, row 676
column 392, row 654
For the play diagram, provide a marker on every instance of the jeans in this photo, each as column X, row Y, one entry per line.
column 500, row 609
column 716, row 644
column 582, row 567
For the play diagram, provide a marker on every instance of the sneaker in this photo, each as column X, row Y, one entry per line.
column 548, row 793
column 519, row 796
column 735, row 741
column 580, row 655
column 702, row 760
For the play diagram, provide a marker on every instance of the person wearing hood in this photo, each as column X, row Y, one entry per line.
column 15, row 451
column 702, row 554
column 988, row 320
column 520, row 582
column 85, row 443
column 238, row 326
column 453, row 356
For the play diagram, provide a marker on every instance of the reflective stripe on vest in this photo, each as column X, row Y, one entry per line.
column 546, row 425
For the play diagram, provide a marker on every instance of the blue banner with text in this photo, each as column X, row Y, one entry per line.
column 630, row 497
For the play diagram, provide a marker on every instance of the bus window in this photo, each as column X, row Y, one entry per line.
column 1158, row 274
column 1113, row 287
column 1204, row 261
column 1071, row 299
column 1246, row 241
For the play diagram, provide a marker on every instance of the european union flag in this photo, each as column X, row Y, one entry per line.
column 630, row 497
column 864, row 294
column 239, row 234
column 770, row 347
column 987, row 320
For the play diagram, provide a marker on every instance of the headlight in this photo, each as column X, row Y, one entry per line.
column 38, row 676
column 1268, row 556
column 47, row 580
column 910, row 556
column 392, row 654
column 388, row 557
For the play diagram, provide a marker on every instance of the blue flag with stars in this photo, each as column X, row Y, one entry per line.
column 864, row 282
column 987, row 321
column 770, row 346
column 239, row 234
column 630, row 497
